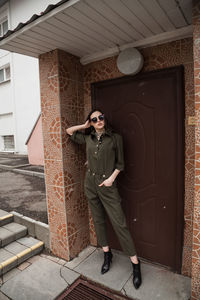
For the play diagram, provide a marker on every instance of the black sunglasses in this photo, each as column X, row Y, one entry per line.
column 100, row 117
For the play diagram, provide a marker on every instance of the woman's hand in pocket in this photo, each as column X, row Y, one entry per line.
column 107, row 182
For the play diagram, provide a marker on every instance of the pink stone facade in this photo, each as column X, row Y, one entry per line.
column 35, row 145
column 66, row 101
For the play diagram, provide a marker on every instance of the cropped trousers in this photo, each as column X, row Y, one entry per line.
column 103, row 199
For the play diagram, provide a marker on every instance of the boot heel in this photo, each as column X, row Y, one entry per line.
column 107, row 262
column 137, row 278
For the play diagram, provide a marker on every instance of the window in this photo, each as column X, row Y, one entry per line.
column 1, row 75
column 5, row 74
column 3, row 27
column 7, row 71
column 9, row 142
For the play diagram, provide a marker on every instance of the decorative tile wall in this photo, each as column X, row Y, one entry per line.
column 62, row 105
column 72, row 113
column 196, row 207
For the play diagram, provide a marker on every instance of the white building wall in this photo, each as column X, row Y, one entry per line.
column 6, row 127
column 6, row 105
column 26, row 92
column 3, row 53
column 6, row 124
column 5, row 87
column 6, row 102
column 20, row 97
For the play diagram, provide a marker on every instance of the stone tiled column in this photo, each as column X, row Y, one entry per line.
column 62, row 106
column 196, row 215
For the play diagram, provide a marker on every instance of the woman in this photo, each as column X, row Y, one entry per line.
column 105, row 160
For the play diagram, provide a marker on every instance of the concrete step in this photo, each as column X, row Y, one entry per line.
column 5, row 217
column 15, row 245
column 17, row 252
column 11, row 232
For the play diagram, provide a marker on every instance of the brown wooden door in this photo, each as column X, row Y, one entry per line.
column 148, row 110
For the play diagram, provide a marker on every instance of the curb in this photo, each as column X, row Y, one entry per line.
column 30, row 173
column 13, row 167
column 25, row 172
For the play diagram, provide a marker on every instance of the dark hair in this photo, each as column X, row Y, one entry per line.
column 88, row 130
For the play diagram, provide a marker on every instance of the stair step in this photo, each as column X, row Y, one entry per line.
column 15, row 245
column 11, row 232
column 17, row 252
column 5, row 217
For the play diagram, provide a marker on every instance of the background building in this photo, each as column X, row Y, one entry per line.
column 19, row 83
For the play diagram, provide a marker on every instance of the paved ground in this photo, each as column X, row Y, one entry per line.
column 45, row 277
column 20, row 192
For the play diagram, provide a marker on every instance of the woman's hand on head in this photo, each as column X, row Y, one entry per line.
column 87, row 124
column 72, row 129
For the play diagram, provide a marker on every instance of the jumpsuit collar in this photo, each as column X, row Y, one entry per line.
column 108, row 131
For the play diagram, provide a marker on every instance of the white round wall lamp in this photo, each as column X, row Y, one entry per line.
column 130, row 61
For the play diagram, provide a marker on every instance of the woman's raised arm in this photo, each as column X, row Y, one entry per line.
column 71, row 130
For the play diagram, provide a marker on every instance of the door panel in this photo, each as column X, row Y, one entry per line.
column 148, row 111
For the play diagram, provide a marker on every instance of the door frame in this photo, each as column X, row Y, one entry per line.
column 178, row 71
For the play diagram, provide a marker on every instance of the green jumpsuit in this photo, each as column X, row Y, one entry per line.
column 104, row 156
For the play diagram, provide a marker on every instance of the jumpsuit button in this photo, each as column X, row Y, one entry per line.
column 93, row 174
column 95, row 152
column 104, row 175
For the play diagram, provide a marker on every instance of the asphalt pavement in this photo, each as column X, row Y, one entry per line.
column 22, row 187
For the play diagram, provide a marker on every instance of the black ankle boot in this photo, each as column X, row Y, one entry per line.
column 107, row 261
column 137, row 280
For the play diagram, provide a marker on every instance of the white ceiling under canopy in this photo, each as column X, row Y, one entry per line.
column 94, row 29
